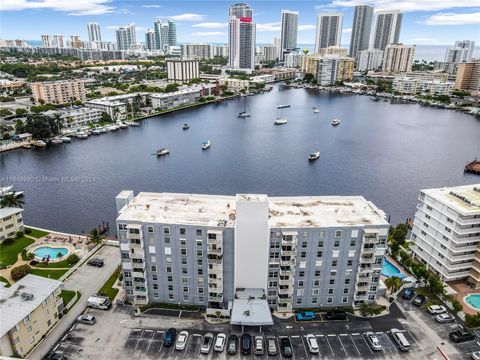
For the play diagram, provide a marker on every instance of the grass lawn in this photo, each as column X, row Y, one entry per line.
column 66, row 296
column 52, row 274
column 37, row 234
column 9, row 253
column 53, row 265
column 2, row 279
column 169, row 306
column 107, row 288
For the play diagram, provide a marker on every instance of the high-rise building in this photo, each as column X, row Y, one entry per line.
column 293, row 251
column 46, row 41
column 387, row 28
column 164, row 42
column 58, row 41
column 329, row 30
column 182, row 70
column 446, row 232
column 398, row 58
column 241, row 37
column 361, row 29
column 332, row 68
column 126, row 37
column 466, row 44
column 270, row 53
column 369, row 59
column 199, row 51
column 468, row 76
column 333, row 50
column 461, row 52
column 93, row 29
column 150, row 39
column 75, row 42
column 172, row 33
column 157, row 27
column 288, row 32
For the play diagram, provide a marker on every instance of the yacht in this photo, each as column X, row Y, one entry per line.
column 162, row 152
column 132, row 123
column 206, row 145
column 39, row 143
column 335, row 122
column 95, row 132
column 66, row 139
column 316, row 110
column 280, row 121
column 57, row 141
column 122, row 125
column 314, row 156
column 185, row 127
column 283, row 106
column 244, row 113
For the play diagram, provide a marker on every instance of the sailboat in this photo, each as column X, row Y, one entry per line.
column 244, row 113
column 280, row 120
column 206, row 144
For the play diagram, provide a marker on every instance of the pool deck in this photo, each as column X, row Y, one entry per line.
column 463, row 290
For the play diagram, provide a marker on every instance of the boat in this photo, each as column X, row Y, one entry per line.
column 122, row 125
column 280, row 121
column 95, row 132
column 244, row 113
column 283, row 106
column 111, row 128
column 206, row 145
column 66, row 139
column 162, row 152
column 314, row 156
column 39, row 143
column 102, row 130
column 57, row 141
column 335, row 122
column 185, row 127
column 81, row 135
column 316, row 110
column 132, row 123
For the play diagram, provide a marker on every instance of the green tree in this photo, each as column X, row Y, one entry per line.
column 457, row 306
column 73, row 259
column 309, row 78
column 171, row 88
column 400, row 233
column 95, row 236
column 10, row 200
column 393, row 283
column 394, row 247
column 5, row 112
column 435, row 285
column 20, row 271
column 21, row 111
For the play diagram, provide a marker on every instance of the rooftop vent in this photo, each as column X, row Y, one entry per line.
column 26, row 296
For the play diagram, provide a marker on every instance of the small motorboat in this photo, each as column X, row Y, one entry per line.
column 243, row 114
column 66, row 139
column 132, row 123
column 283, row 106
column 162, row 152
column 95, row 132
column 57, row 141
column 335, row 122
column 280, row 121
column 314, row 156
column 122, row 125
column 206, row 145
column 185, row 127
column 316, row 110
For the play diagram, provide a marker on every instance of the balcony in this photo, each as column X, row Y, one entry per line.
column 288, row 252
column 138, row 256
column 135, row 245
column 215, row 288
column 367, row 260
column 470, row 221
column 362, row 287
column 467, row 230
column 365, row 270
column 140, row 291
column 368, row 250
column 287, row 271
column 140, row 300
column 215, row 298
column 289, row 262
column 138, row 274
column 287, row 291
column 289, row 240
column 286, row 282
column 360, row 297
column 217, row 251
column 132, row 236
column 370, row 239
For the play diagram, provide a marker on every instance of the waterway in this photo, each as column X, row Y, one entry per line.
column 383, row 151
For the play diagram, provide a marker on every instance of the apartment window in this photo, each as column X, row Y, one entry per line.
column 300, row 292
column 352, row 243
column 184, row 270
column 200, row 281
column 338, row 233
column 371, row 297
column 349, row 262
column 304, row 245
column 182, row 231
column 170, row 287
column 169, row 269
column 345, row 290
column 305, row 234
column 447, row 229
column 150, row 229
column 344, row 299
column 155, row 286
column 156, row 295
column 300, row 283
column 167, row 240
column 316, row 282
column 425, row 224
column 153, row 259
column 49, row 322
column 331, row 281
column 183, row 252
column 200, row 262
column 168, row 259
column 299, row 301
column 200, row 253
column 185, row 289
column 200, row 271
column 319, row 253
column 334, row 262
column 427, row 216
column 301, row 273
column 314, row 300
column 333, row 272
column 185, row 297
column 336, row 243
column 128, row 283
column 170, row 296
column 329, row 300
column 154, row 277
column 303, row 254
column 275, row 245
column 320, row 243
column 184, row 280
column 199, row 232
column 166, row 231
column 317, row 272
column 200, row 290
column 272, row 274
column 200, row 299
column 429, row 207
column 199, row 243
column 153, row 268
column 449, row 220
column 272, row 284
column 127, row 274
column 330, row 291
column 183, row 242
column 315, row 291
column 272, row 293
column 322, row 234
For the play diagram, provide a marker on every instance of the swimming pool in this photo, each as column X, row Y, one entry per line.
column 51, row 252
column 473, row 300
column 389, row 270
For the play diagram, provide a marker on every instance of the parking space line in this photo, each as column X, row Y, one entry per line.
column 196, row 335
column 368, row 346
column 409, row 333
column 391, row 342
column 340, row 339
column 358, row 351
column 304, row 347
column 139, row 338
column 329, row 345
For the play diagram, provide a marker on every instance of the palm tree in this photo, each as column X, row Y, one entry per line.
column 95, row 236
column 10, row 200
column 393, row 283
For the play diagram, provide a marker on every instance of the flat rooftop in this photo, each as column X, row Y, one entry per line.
column 284, row 212
column 464, row 199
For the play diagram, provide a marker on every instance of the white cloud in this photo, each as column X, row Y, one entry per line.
column 453, row 19
column 210, row 25
column 76, row 7
column 187, row 17
column 268, row 27
column 409, row 5
column 422, row 40
column 152, row 6
column 209, row 33
column 347, row 31
column 306, row 27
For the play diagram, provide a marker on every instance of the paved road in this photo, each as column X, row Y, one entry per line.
column 88, row 280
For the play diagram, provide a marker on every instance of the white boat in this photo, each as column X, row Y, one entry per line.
column 283, row 106
column 185, row 127
column 206, row 145
column 280, row 121
column 316, row 110
column 244, row 113
column 162, row 152
column 102, row 130
column 39, row 143
column 132, row 123
column 111, row 128
column 95, row 132
column 313, row 156
column 335, row 122
column 81, row 135
column 57, row 141
column 66, row 139
column 122, row 125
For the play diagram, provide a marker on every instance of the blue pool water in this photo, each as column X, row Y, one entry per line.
column 473, row 300
column 388, row 270
column 51, row 252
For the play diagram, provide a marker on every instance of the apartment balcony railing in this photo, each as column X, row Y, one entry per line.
column 288, row 252
column 461, row 221
column 217, row 251
column 362, row 287
column 131, row 236
column 285, row 282
column 215, row 288
column 287, row 291
column 134, row 245
column 140, row 291
column 217, row 241
column 140, row 301
column 368, row 250
column 466, row 231
column 137, row 255
column 138, row 274
column 370, row 240
column 360, row 297
column 289, row 242
column 365, row 270
column 286, row 271
column 215, row 298
column 289, row 262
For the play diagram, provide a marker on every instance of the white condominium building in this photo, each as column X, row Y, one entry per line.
column 329, row 30
column 182, row 70
column 370, row 59
column 11, row 222
column 294, row 252
column 446, row 232
column 398, row 58
column 412, row 86
column 387, row 28
column 241, row 37
column 94, row 34
column 288, row 33
column 59, row 92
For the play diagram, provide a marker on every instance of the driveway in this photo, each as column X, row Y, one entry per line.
column 88, row 280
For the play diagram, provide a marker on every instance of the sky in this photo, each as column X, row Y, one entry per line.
column 425, row 22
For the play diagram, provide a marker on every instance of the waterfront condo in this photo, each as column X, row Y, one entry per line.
column 293, row 252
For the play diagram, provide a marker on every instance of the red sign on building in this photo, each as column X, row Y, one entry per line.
column 245, row 19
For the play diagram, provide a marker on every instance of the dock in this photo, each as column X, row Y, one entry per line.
column 473, row 167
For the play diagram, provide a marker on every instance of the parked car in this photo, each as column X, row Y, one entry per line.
column 87, row 319
column 336, row 315
column 306, row 316
column 56, row 356
column 400, row 339
column 182, row 339
column 419, row 300
column 475, row 355
column 220, row 342
column 436, row 309
column 95, row 262
column 312, row 344
column 445, row 317
column 99, row 302
column 169, row 337
column 286, row 347
column 373, row 341
column 246, row 344
column 408, row 294
column 259, row 348
column 207, row 343
column 461, row 335
column 271, row 345
column 232, row 345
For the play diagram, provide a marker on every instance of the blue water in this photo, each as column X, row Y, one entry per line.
column 45, row 251
column 473, row 300
column 389, row 270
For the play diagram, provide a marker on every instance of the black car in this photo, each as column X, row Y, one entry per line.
column 286, row 347
column 232, row 344
column 336, row 315
column 246, row 344
column 95, row 262
column 169, row 337
column 419, row 300
column 462, row 335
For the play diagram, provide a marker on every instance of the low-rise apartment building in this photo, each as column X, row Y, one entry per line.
column 182, row 70
column 77, row 117
column 59, row 92
column 412, row 86
column 446, row 232
column 189, row 95
column 28, row 310
column 299, row 252
column 11, row 222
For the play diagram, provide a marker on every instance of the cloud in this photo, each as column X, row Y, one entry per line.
column 209, row 33
column 268, row 27
column 210, row 25
column 409, row 5
column 420, row 40
column 347, row 30
column 187, row 17
column 152, row 6
column 76, row 7
column 306, row 27
column 453, row 19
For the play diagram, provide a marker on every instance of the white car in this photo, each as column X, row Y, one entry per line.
column 220, row 342
column 182, row 339
column 436, row 309
column 87, row 319
column 373, row 341
column 475, row 355
column 312, row 344
column 445, row 317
